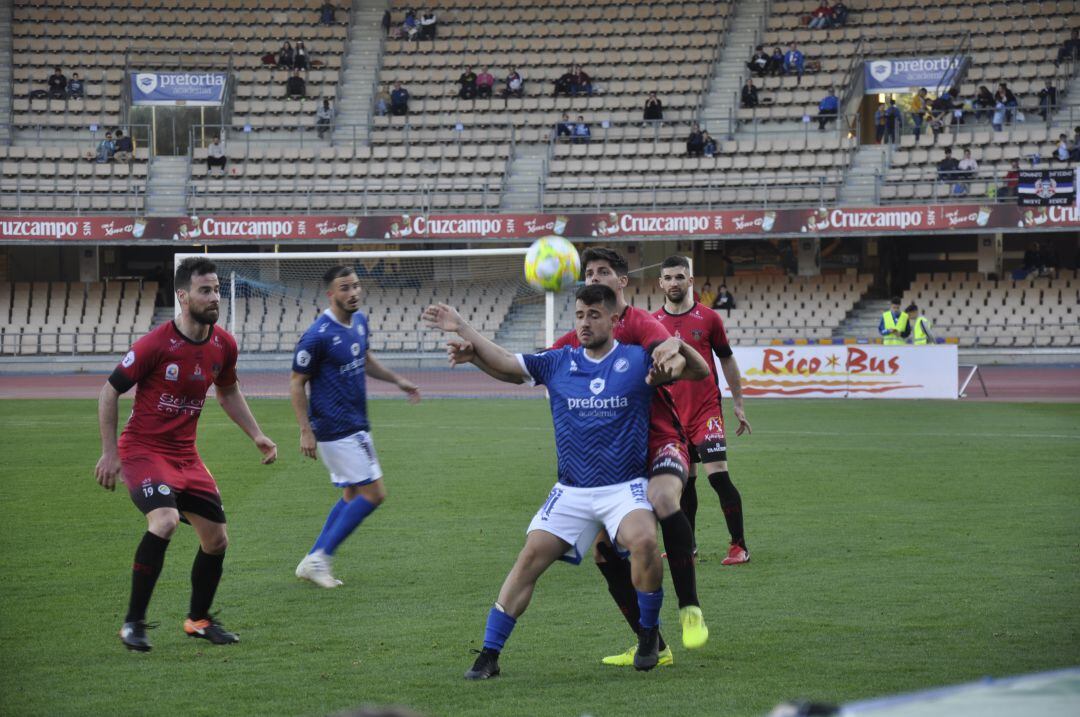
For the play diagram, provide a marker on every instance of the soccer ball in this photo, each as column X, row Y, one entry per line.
column 552, row 264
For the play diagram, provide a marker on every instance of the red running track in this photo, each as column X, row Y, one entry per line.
column 1004, row 383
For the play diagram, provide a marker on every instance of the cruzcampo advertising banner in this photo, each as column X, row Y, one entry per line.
column 908, row 74
column 843, row 371
column 178, row 88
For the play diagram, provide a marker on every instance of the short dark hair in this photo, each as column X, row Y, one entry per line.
column 911, row 307
column 336, row 272
column 593, row 294
column 192, row 266
column 676, row 260
column 612, row 257
column 894, row 300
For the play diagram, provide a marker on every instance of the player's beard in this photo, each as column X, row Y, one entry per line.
column 208, row 317
column 344, row 307
column 676, row 295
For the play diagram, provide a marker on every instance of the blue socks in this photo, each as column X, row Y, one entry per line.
column 330, row 519
column 497, row 630
column 349, row 516
column 649, row 605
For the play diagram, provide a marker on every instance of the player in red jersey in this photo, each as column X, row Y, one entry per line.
column 698, row 402
column 173, row 367
column 668, row 460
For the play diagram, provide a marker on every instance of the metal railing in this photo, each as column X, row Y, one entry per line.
column 90, row 138
column 98, row 202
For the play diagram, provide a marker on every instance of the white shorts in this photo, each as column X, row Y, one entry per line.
column 576, row 515
column 351, row 460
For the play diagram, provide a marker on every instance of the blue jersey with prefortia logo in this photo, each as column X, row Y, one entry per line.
column 600, row 408
column 334, row 356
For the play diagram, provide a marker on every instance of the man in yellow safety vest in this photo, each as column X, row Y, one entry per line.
column 920, row 326
column 894, row 323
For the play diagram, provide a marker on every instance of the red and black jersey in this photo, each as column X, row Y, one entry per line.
column 172, row 374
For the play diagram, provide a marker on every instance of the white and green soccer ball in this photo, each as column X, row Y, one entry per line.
column 552, row 264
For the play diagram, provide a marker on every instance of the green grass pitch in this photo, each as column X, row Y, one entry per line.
column 896, row 546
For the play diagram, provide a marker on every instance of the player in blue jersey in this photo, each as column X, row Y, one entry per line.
column 333, row 357
column 600, row 395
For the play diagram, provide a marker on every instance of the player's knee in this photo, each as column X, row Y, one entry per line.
column 215, row 544
column 163, row 522
column 643, row 544
column 664, row 495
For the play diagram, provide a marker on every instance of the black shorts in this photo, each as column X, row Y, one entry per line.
column 669, row 459
column 714, row 452
column 151, row 497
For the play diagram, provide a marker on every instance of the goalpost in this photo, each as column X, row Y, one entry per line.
column 268, row 299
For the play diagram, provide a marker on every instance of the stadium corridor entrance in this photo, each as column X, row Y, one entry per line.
column 170, row 127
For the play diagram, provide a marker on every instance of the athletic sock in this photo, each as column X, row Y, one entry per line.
column 679, row 544
column 331, row 518
column 731, row 504
column 616, row 572
column 498, row 629
column 351, row 515
column 649, row 604
column 149, row 557
column 688, row 502
column 205, row 576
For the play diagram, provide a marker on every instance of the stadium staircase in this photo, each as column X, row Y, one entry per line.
column 5, row 71
column 862, row 321
column 163, row 314
column 522, row 190
column 860, row 187
column 727, row 79
column 165, row 186
column 518, row 332
column 361, row 69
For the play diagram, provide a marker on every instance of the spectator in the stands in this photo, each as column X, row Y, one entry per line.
column 828, row 109
column 58, row 84
column 326, row 14
column 324, row 118
column 485, row 81
column 1032, row 257
column 776, row 62
column 695, row 143
column 947, row 168
column 215, row 156
column 821, row 17
column 893, row 119
column 582, row 133
column 708, row 145
column 1070, row 49
column 1006, row 96
column 106, row 149
column 1012, row 181
column 967, row 166
column 759, row 62
column 1061, row 152
column 997, row 121
column 1047, row 99
column 387, row 23
column 75, row 87
column 382, row 101
column 707, row 295
column 794, row 62
column 295, row 86
column 399, row 100
column 428, row 25
column 918, row 111
column 300, row 57
column 124, row 147
column 564, row 127
column 1074, row 145
column 724, row 299
column 467, row 84
column 941, row 113
column 879, row 123
column 563, row 84
column 654, row 108
column 840, row 14
column 983, row 104
column 285, row 55
column 515, row 86
column 410, row 28
column 748, row 97
column 580, row 82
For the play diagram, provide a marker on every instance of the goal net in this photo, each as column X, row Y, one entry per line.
column 269, row 299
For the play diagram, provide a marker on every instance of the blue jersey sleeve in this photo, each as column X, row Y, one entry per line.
column 308, row 352
column 541, row 366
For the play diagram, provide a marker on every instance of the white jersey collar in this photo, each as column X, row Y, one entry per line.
column 614, row 345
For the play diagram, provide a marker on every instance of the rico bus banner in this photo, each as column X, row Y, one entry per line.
column 864, row 371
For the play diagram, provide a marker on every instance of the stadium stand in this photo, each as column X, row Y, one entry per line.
column 977, row 311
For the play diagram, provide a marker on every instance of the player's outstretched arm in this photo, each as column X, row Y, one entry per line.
column 446, row 318
column 673, row 360
column 235, row 406
column 377, row 370
column 108, row 466
column 730, row 367
column 299, row 400
column 461, row 352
